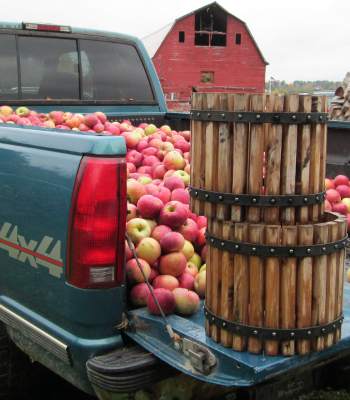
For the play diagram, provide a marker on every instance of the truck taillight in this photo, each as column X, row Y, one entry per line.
column 96, row 238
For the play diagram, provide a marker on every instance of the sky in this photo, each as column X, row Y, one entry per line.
column 301, row 40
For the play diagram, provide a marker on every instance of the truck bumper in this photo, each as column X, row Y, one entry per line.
column 133, row 372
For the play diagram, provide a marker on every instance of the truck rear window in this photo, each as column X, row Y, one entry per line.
column 70, row 69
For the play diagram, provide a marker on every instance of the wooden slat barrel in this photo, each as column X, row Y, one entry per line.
column 275, row 258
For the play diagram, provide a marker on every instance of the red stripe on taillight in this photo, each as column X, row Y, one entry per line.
column 96, row 239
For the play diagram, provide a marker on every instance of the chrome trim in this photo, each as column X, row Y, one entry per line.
column 43, row 339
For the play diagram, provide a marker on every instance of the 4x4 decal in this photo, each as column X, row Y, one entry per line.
column 19, row 249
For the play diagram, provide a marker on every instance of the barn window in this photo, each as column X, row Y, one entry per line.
column 207, row 77
column 172, row 97
column 181, row 37
column 210, row 27
column 238, row 38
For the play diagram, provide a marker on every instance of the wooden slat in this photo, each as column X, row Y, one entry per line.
column 319, row 286
column 273, row 159
column 216, row 278
column 225, row 156
column 227, row 262
column 256, row 155
column 289, row 149
column 331, row 282
column 323, row 157
column 304, row 287
column 240, row 155
column 303, row 159
column 272, row 289
column 256, row 290
column 341, row 255
column 209, row 279
column 288, row 288
column 196, row 156
column 241, row 287
column 315, row 158
column 211, row 153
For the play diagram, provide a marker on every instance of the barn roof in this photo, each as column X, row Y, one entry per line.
column 154, row 41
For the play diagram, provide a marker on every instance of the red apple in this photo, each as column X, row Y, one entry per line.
column 172, row 241
column 164, row 149
column 131, row 167
column 73, row 122
column 148, row 249
column 180, row 195
column 189, row 230
column 133, row 212
column 128, row 252
column 186, row 301
column 191, row 269
column 135, row 190
column 327, row 206
column 173, row 214
column 133, row 156
column 159, row 231
column 166, row 129
column 183, row 175
column 172, row 264
column 166, row 282
column 174, row 182
column 201, row 241
column 150, row 187
column 329, row 184
column 26, row 121
column 102, row 117
column 165, row 299
column 138, row 295
column 186, row 281
column 163, row 194
column 133, row 272
column 182, row 145
column 155, row 143
column 174, row 160
column 186, row 135
column 114, row 130
column 159, row 171
column 340, row 208
column 149, row 206
column 343, row 190
column 333, row 196
column 341, row 180
column 149, row 161
column 201, row 222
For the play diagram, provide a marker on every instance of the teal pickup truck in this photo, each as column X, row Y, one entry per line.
column 63, row 206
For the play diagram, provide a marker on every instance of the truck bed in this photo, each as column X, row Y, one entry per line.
column 233, row 368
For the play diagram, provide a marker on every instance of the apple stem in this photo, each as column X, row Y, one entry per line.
column 167, row 325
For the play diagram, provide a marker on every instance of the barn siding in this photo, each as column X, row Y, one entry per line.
column 236, row 68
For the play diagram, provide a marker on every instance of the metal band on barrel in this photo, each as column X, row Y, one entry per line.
column 260, row 117
column 257, row 200
column 271, row 333
column 275, row 251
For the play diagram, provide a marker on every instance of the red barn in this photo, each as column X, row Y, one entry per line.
column 208, row 50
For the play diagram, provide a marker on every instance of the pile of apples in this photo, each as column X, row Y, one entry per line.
column 169, row 240
column 94, row 123
column 338, row 196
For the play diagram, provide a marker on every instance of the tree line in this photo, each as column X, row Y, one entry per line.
column 300, row 86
